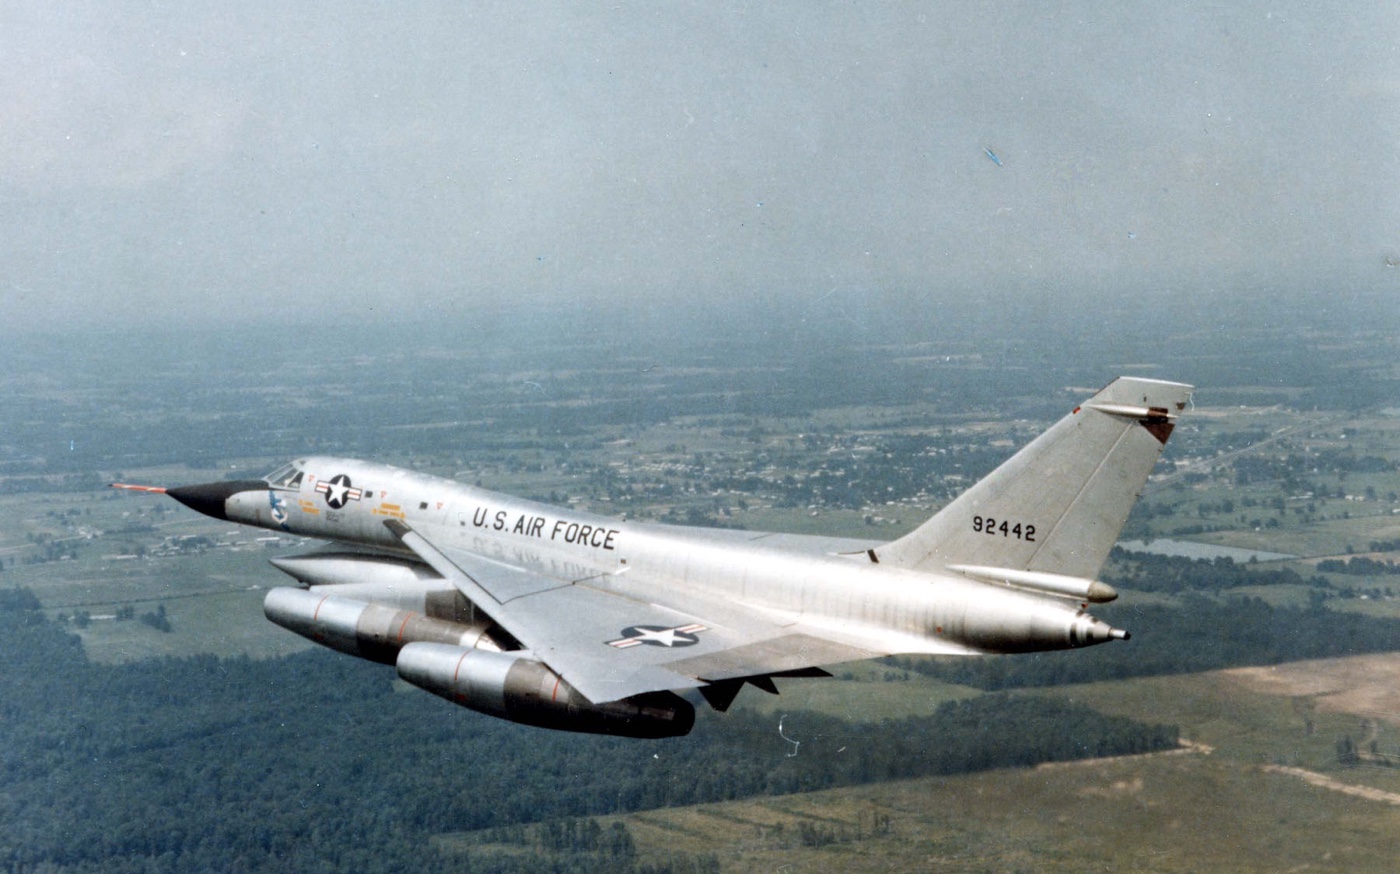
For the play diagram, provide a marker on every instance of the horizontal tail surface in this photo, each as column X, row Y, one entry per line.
column 1058, row 505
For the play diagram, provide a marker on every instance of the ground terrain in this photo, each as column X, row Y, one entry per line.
column 1288, row 766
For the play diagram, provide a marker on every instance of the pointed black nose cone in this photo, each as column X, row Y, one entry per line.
column 210, row 498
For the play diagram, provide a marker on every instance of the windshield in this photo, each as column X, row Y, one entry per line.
column 288, row 476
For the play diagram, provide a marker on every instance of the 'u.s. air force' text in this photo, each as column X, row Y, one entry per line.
column 529, row 525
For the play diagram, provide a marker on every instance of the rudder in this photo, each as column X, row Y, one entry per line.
column 1059, row 504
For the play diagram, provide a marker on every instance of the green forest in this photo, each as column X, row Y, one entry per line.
column 1173, row 574
column 318, row 762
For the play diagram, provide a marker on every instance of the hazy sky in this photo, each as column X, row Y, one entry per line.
column 201, row 160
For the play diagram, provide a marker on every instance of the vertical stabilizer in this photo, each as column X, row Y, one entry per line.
column 1058, row 505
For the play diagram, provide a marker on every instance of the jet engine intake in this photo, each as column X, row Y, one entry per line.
column 513, row 686
column 370, row 631
column 331, row 567
column 1039, row 581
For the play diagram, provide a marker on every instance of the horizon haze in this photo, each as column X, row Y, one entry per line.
column 196, row 165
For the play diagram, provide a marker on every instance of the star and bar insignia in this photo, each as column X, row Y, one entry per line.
column 656, row 635
column 338, row 490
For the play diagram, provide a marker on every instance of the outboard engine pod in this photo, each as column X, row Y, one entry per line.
column 370, row 631
column 513, row 686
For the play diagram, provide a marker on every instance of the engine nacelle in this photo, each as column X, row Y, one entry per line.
column 370, row 631
column 513, row 686
column 1023, row 622
column 326, row 566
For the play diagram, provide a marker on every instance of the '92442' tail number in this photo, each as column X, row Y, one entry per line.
column 1004, row 527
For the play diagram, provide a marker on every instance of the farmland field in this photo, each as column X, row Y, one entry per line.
column 1288, row 765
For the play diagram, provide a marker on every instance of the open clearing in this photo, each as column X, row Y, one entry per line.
column 1159, row 813
column 1366, row 685
column 1256, row 788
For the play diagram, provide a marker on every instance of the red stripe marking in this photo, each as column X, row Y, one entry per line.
column 316, row 617
column 405, row 625
column 554, row 696
column 156, row 489
column 458, row 669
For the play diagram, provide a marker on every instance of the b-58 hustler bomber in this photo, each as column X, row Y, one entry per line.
column 562, row 619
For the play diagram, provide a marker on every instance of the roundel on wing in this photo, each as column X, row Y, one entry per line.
column 657, row 635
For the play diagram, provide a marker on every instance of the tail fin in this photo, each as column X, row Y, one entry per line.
column 1058, row 505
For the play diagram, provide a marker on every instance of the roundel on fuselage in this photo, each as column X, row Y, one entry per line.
column 338, row 491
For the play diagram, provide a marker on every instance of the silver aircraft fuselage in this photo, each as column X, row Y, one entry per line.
column 560, row 618
column 820, row 581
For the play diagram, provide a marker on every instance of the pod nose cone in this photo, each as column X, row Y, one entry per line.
column 211, row 498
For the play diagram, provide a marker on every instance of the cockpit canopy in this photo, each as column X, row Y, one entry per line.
column 288, row 476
